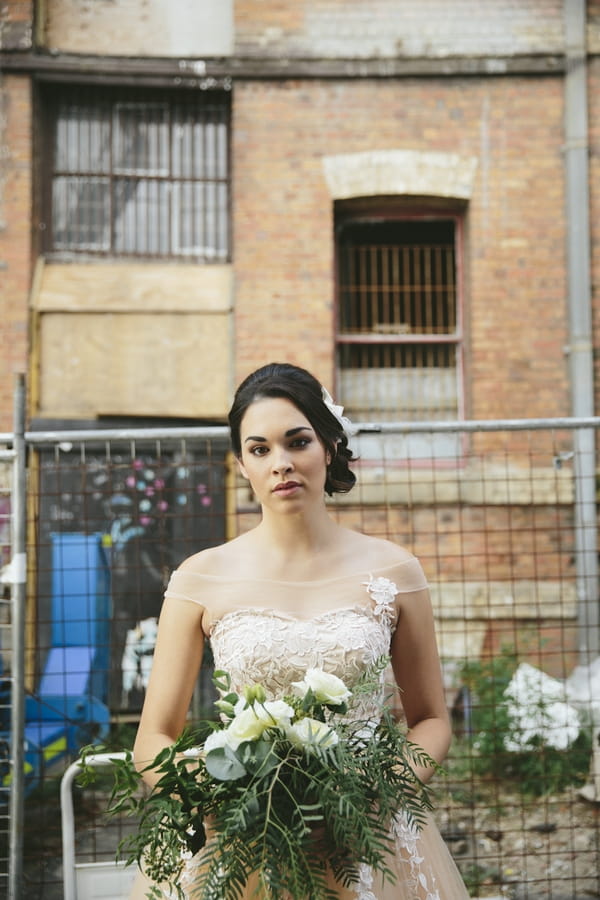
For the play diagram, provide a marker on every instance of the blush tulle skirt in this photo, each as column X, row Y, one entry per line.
column 421, row 863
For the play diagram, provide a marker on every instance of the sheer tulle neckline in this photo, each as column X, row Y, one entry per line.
column 354, row 576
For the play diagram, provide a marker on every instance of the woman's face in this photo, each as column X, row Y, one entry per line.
column 282, row 456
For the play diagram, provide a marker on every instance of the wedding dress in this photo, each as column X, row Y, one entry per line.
column 271, row 632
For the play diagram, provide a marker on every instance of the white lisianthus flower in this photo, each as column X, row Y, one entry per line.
column 246, row 726
column 216, row 740
column 326, row 687
column 274, row 713
column 240, row 706
column 307, row 732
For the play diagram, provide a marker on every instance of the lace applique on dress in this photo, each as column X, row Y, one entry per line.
column 364, row 884
column 382, row 592
column 422, row 882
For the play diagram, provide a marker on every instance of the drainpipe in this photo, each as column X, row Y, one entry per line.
column 580, row 326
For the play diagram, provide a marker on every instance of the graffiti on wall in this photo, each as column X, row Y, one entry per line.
column 152, row 512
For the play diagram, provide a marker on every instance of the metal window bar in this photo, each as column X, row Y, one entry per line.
column 507, row 536
column 399, row 343
column 141, row 174
column 417, row 297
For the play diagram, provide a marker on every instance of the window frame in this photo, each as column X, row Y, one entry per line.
column 402, row 209
column 212, row 245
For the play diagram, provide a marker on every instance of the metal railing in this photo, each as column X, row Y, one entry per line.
column 14, row 681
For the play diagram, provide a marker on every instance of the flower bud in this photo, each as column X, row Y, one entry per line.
column 225, row 707
column 254, row 692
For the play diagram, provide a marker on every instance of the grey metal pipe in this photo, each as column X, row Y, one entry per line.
column 580, row 325
column 18, row 570
column 201, row 432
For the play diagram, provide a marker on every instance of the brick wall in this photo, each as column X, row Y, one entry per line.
column 16, row 25
column 515, row 305
column 514, row 248
column 390, row 28
column 15, row 236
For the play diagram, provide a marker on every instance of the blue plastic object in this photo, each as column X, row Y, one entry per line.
column 81, row 596
column 69, row 708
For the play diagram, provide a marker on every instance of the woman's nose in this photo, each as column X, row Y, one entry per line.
column 282, row 461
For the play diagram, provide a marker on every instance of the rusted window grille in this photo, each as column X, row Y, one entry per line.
column 399, row 330
column 139, row 173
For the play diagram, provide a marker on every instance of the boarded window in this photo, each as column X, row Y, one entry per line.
column 399, row 329
column 138, row 173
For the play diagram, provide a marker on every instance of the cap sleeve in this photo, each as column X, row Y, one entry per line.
column 184, row 586
column 408, row 576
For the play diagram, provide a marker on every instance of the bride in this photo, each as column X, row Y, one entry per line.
column 298, row 591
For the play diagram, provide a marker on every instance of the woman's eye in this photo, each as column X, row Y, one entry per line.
column 301, row 442
column 258, row 451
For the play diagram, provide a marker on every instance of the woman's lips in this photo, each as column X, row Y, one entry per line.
column 286, row 487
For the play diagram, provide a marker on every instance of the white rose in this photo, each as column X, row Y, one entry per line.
column 307, row 732
column 326, row 687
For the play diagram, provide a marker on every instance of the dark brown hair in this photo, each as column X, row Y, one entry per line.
column 303, row 390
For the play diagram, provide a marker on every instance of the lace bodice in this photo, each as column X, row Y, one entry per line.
column 274, row 650
column 265, row 647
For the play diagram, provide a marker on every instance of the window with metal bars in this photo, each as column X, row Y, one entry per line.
column 399, row 337
column 138, row 172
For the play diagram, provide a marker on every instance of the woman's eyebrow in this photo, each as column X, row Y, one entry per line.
column 294, row 431
column 290, row 433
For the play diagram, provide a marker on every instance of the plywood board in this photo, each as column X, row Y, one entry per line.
column 134, row 365
column 144, row 287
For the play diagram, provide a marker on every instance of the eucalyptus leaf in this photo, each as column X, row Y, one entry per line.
column 222, row 763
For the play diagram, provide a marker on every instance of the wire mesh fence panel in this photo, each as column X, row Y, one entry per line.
column 5, row 654
column 109, row 521
column 498, row 516
column 493, row 517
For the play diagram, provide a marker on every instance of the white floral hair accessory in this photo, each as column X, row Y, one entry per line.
column 337, row 412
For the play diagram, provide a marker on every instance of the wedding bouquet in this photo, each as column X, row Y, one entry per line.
column 283, row 789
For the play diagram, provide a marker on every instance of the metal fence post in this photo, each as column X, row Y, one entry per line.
column 586, row 545
column 18, row 578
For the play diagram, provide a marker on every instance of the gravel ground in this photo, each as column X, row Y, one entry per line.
column 507, row 847
column 511, row 847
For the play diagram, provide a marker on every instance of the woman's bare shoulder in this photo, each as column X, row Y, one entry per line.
column 217, row 560
column 377, row 553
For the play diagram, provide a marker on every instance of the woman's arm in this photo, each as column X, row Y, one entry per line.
column 417, row 670
column 177, row 660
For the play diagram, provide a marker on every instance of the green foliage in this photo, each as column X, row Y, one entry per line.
column 489, row 722
column 284, row 813
column 476, row 876
column 536, row 770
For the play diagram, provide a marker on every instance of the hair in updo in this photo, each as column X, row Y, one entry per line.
column 305, row 392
